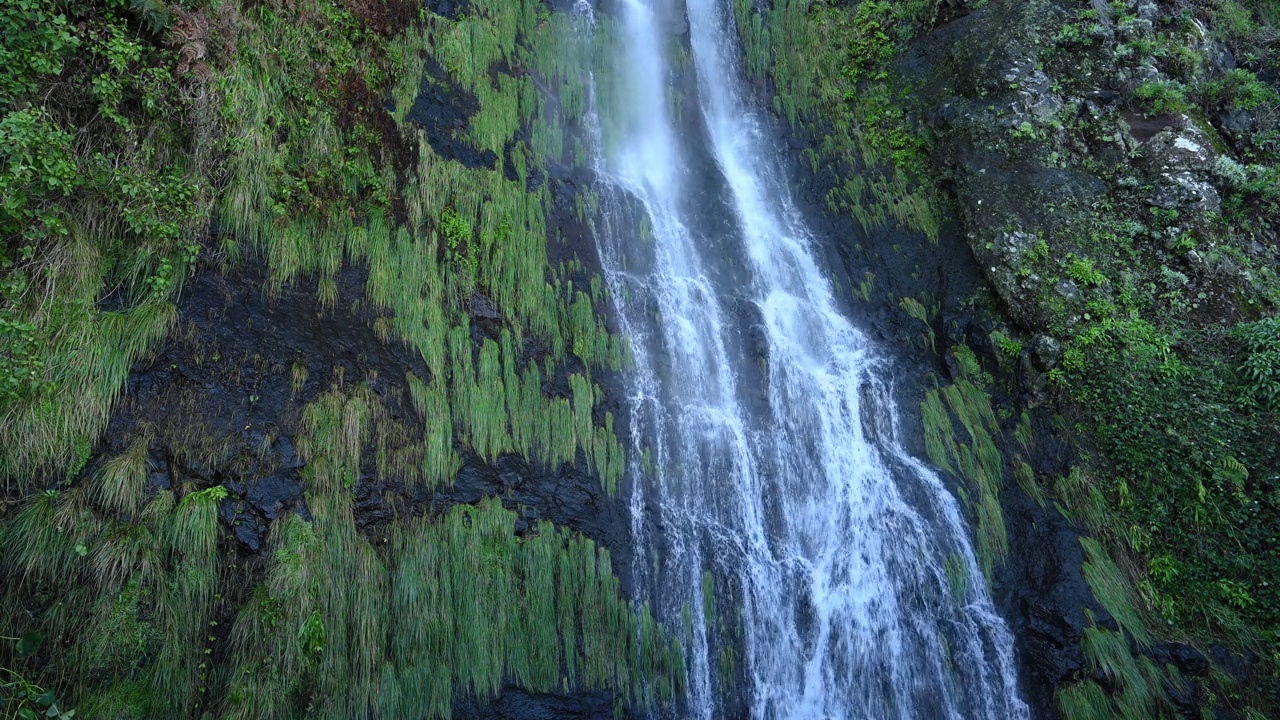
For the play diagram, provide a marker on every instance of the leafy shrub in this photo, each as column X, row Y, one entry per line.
column 1083, row 271
column 20, row 362
column 36, row 39
column 1161, row 96
column 36, row 165
column 1262, row 365
column 1242, row 89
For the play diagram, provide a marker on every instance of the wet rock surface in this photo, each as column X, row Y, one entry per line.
column 516, row 704
column 222, row 401
column 444, row 109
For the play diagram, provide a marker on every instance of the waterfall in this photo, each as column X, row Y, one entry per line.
column 775, row 512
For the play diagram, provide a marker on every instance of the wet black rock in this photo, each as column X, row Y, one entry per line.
column 516, row 704
column 444, row 109
column 452, row 9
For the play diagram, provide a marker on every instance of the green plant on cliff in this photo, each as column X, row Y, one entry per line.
column 832, row 77
column 1261, row 368
column 454, row 605
column 977, row 460
column 82, row 221
column 126, row 127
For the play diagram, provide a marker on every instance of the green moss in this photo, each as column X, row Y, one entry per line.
column 1113, row 590
column 978, row 461
column 830, row 70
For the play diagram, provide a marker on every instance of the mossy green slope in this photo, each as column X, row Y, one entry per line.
column 267, row 120
column 1039, row 126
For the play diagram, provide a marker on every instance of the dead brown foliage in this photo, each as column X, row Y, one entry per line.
column 203, row 38
column 387, row 18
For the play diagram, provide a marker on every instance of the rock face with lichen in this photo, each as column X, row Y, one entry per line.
column 1114, row 171
column 303, row 374
column 1110, row 174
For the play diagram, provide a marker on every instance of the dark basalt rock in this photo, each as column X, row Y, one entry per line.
column 516, row 704
column 218, row 398
column 444, row 109
column 452, row 9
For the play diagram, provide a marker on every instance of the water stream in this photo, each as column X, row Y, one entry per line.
column 808, row 560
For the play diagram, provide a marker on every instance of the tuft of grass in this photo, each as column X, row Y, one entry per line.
column 1026, row 477
column 119, row 486
column 1078, row 497
column 1084, row 700
column 1113, row 590
column 1024, row 434
column 915, row 309
column 1139, row 683
column 978, row 462
column 86, row 369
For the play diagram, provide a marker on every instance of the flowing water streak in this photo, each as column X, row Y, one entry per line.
column 775, row 463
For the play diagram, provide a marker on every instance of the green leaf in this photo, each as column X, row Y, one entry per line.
column 27, row 713
column 29, row 644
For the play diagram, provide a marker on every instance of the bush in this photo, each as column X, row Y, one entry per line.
column 36, row 165
column 36, row 38
column 1160, row 97
column 1243, row 90
column 1261, row 367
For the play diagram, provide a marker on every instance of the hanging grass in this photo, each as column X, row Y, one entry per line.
column 1078, row 497
column 87, row 369
column 456, row 605
column 979, row 462
column 1026, row 477
column 468, row 606
column 1139, row 683
column 120, row 484
column 138, row 578
column 135, row 588
column 1113, row 590
column 1084, row 700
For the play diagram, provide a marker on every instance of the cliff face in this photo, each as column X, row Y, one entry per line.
column 1072, row 207
column 308, row 394
column 307, row 375
column 1115, row 171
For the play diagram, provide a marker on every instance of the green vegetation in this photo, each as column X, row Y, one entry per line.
column 1164, row 305
column 229, row 111
column 1161, row 96
column 126, row 130
column 132, row 597
column 103, row 184
column 450, row 606
column 1162, row 296
column 978, row 461
column 1261, row 368
column 831, row 70
column 22, row 698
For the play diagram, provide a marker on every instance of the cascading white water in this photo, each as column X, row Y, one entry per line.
column 773, row 461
